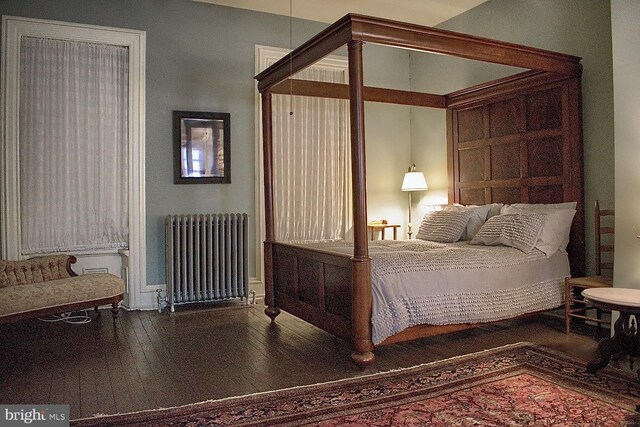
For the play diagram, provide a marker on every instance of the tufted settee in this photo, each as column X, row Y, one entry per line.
column 47, row 285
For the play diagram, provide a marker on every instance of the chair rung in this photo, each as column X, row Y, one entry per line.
column 578, row 310
column 607, row 212
column 589, row 318
column 607, row 265
column 606, row 248
column 585, row 308
column 581, row 301
column 597, row 282
column 606, row 230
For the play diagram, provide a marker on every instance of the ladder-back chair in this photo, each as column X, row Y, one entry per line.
column 574, row 305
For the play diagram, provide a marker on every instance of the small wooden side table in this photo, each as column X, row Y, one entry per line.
column 381, row 227
column 626, row 338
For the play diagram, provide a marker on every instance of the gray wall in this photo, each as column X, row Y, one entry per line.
column 388, row 137
column 625, row 15
column 200, row 57
column 577, row 27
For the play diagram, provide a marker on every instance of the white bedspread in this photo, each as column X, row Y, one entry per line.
column 419, row 282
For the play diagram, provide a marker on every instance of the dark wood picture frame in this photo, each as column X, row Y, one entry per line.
column 202, row 147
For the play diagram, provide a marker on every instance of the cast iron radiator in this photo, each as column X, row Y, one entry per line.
column 206, row 258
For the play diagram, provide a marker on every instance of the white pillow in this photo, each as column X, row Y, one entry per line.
column 477, row 218
column 519, row 231
column 443, row 226
column 538, row 206
column 495, row 209
column 557, row 225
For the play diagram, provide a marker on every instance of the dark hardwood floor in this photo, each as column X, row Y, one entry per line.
column 152, row 360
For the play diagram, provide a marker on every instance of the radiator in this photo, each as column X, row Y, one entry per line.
column 206, row 258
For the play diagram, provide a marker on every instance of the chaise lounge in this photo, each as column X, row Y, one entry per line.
column 47, row 285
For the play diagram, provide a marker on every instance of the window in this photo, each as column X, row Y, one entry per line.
column 311, row 162
column 15, row 29
column 73, row 146
column 335, row 68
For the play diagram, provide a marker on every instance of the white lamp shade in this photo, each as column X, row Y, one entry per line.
column 414, row 181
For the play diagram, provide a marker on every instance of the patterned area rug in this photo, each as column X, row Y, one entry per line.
column 516, row 385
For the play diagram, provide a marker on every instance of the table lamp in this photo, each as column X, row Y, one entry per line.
column 413, row 181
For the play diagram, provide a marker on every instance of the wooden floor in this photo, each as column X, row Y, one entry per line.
column 152, row 360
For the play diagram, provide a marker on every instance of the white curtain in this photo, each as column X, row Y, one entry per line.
column 312, row 164
column 73, row 146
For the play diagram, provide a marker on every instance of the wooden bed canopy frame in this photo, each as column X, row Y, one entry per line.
column 515, row 139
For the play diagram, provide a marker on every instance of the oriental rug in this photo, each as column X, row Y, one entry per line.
column 515, row 385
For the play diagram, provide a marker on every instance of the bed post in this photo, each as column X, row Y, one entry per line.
column 361, row 292
column 269, row 296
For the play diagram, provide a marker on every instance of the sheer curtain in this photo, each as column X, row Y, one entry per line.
column 312, row 180
column 73, row 146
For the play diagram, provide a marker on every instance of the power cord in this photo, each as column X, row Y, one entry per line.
column 69, row 317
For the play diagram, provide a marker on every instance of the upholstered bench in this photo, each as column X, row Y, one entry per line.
column 47, row 285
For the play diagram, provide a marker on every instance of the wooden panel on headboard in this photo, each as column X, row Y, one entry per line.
column 523, row 145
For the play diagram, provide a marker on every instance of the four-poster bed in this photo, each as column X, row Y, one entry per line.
column 516, row 139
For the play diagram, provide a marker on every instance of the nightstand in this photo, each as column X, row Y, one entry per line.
column 381, row 227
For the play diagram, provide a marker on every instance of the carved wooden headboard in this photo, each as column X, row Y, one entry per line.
column 523, row 144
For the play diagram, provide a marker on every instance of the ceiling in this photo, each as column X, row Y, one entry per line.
column 422, row 12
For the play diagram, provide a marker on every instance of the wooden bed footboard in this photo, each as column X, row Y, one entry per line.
column 314, row 286
column 318, row 287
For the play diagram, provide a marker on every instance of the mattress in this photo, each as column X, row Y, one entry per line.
column 418, row 282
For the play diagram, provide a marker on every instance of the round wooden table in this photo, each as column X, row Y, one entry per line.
column 626, row 338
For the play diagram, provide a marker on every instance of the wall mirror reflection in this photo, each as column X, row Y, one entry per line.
column 202, row 143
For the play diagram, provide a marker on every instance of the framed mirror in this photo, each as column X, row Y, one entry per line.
column 202, row 147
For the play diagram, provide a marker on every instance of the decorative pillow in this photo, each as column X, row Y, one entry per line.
column 443, row 226
column 519, row 231
column 477, row 218
column 557, row 226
